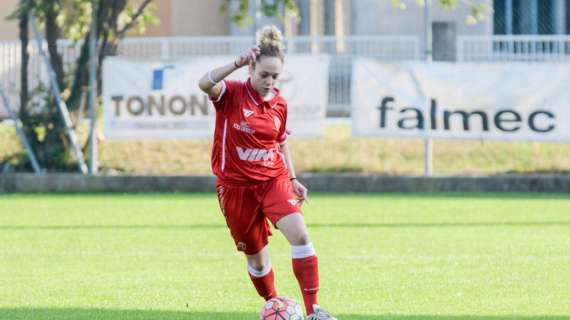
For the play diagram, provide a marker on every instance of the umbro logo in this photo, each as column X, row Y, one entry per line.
column 293, row 202
column 247, row 112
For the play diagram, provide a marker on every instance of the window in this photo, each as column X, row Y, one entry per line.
column 567, row 16
column 546, row 17
column 517, row 20
column 499, row 21
column 531, row 17
column 528, row 17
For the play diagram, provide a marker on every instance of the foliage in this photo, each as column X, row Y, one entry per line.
column 478, row 9
column 69, row 19
column 270, row 8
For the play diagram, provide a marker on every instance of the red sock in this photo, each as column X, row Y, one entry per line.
column 265, row 285
column 307, row 272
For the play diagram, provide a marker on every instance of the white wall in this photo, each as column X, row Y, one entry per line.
column 374, row 17
column 8, row 28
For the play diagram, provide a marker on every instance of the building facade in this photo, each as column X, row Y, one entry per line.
column 187, row 18
column 531, row 17
column 8, row 28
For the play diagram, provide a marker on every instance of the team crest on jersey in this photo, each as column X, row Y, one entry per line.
column 277, row 122
column 247, row 112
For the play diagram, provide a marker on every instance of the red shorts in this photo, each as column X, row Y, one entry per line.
column 247, row 209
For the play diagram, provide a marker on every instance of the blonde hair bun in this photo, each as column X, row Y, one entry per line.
column 270, row 36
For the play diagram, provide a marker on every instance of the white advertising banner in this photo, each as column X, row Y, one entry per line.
column 494, row 101
column 161, row 99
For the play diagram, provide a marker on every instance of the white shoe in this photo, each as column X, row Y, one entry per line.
column 320, row 314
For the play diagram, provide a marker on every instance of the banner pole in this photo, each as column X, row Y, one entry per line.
column 20, row 132
column 428, row 143
column 59, row 101
column 93, row 151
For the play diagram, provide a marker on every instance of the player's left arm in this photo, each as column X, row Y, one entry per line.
column 299, row 189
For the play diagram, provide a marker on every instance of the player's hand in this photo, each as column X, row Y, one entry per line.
column 301, row 191
column 247, row 57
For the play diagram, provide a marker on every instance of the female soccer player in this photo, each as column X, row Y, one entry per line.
column 256, row 180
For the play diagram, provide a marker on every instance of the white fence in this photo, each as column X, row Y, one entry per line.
column 388, row 48
column 519, row 48
column 342, row 50
column 10, row 62
column 382, row 47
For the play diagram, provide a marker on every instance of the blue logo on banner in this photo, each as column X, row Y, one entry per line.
column 158, row 77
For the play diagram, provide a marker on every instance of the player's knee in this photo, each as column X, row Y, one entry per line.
column 301, row 239
column 258, row 266
column 258, row 262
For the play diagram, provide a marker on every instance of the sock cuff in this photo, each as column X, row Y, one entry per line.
column 304, row 251
column 259, row 274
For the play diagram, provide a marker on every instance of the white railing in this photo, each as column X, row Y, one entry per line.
column 10, row 62
column 516, row 48
column 342, row 50
column 382, row 47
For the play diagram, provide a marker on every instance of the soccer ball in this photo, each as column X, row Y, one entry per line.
column 281, row 308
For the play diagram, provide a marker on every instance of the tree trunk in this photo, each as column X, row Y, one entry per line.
column 81, row 76
column 107, row 27
column 53, row 32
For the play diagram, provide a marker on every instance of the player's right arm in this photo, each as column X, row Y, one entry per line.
column 210, row 82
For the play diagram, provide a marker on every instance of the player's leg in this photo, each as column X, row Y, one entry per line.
column 304, row 258
column 250, row 232
column 305, row 263
column 281, row 206
column 261, row 273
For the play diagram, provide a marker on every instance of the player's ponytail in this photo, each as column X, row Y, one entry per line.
column 270, row 42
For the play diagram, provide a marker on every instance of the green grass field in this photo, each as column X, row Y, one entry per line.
column 169, row 256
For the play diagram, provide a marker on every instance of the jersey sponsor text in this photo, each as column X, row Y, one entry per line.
column 256, row 154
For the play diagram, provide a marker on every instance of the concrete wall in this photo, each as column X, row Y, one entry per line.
column 177, row 18
column 187, row 18
column 373, row 17
column 8, row 28
column 315, row 182
column 163, row 13
column 199, row 18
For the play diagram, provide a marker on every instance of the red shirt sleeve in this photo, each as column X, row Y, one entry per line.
column 227, row 95
column 283, row 131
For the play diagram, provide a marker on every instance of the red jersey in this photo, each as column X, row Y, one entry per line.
column 248, row 135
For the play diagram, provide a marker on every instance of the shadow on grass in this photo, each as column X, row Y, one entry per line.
column 501, row 224
column 107, row 314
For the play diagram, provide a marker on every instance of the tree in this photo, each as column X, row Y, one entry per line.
column 270, row 8
column 71, row 19
column 479, row 9
column 240, row 16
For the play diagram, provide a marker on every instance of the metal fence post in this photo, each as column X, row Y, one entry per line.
column 428, row 144
column 20, row 132
column 59, row 101
column 93, row 146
